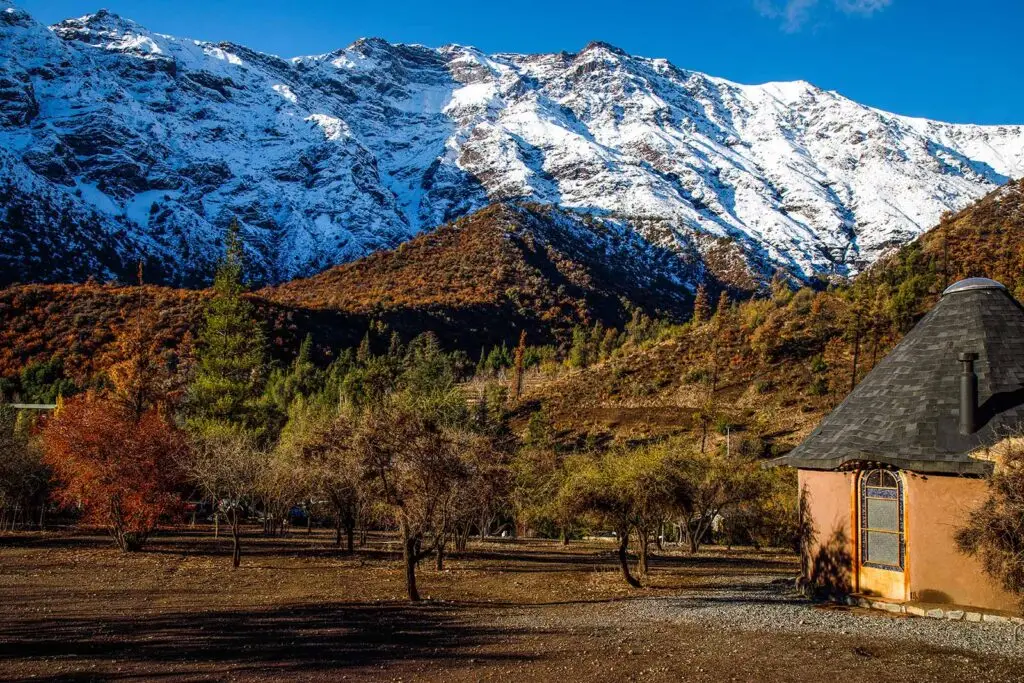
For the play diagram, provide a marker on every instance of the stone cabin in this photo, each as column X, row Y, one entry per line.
column 888, row 477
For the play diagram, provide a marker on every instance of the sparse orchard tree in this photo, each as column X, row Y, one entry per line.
column 337, row 473
column 771, row 518
column 283, row 479
column 484, row 495
column 230, row 468
column 630, row 491
column 711, row 484
column 117, row 466
column 417, row 472
column 651, row 479
column 589, row 489
column 538, row 474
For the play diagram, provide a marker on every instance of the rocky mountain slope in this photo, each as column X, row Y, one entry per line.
column 118, row 143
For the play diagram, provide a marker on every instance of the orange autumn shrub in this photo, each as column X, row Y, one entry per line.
column 118, row 467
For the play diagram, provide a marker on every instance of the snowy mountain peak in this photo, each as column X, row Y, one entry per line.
column 118, row 142
column 13, row 16
column 101, row 29
column 600, row 46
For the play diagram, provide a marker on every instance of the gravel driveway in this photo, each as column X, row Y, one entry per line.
column 774, row 606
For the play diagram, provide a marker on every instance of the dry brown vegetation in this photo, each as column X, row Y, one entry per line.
column 765, row 376
column 984, row 240
column 506, row 258
column 82, row 323
column 485, row 277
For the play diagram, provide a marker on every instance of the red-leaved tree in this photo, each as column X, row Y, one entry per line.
column 117, row 465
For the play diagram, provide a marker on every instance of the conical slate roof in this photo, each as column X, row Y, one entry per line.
column 905, row 412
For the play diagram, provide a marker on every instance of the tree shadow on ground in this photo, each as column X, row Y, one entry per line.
column 591, row 558
column 296, row 640
column 34, row 539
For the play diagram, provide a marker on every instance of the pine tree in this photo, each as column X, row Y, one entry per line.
column 701, row 306
column 232, row 352
column 578, row 351
column 285, row 385
column 364, row 351
column 594, row 342
column 608, row 344
column 723, row 305
column 520, row 355
column 498, row 359
column 395, row 347
column 304, row 370
column 781, row 291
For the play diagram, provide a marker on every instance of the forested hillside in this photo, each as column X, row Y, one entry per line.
column 767, row 369
column 71, row 334
column 478, row 282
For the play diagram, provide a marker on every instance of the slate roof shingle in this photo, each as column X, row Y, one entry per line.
column 905, row 412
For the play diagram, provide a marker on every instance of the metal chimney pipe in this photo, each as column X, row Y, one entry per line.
column 968, row 393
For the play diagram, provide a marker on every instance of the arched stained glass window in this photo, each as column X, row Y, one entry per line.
column 881, row 520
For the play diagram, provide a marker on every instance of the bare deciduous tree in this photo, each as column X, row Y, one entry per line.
column 282, row 480
column 483, row 494
column 710, row 484
column 229, row 467
column 337, row 473
column 414, row 463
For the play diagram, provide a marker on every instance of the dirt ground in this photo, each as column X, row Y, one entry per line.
column 73, row 608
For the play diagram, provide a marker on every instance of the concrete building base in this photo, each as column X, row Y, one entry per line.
column 932, row 611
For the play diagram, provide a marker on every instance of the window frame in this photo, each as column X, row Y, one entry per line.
column 885, row 479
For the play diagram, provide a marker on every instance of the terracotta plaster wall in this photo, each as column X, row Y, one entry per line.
column 936, row 506
column 828, row 546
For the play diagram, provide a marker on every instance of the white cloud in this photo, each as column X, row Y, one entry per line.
column 863, row 7
column 794, row 14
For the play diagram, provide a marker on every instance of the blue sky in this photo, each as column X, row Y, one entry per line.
column 943, row 59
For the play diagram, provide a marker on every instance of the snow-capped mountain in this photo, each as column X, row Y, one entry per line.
column 117, row 142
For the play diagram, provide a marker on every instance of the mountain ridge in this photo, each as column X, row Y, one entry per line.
column 146, row 145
